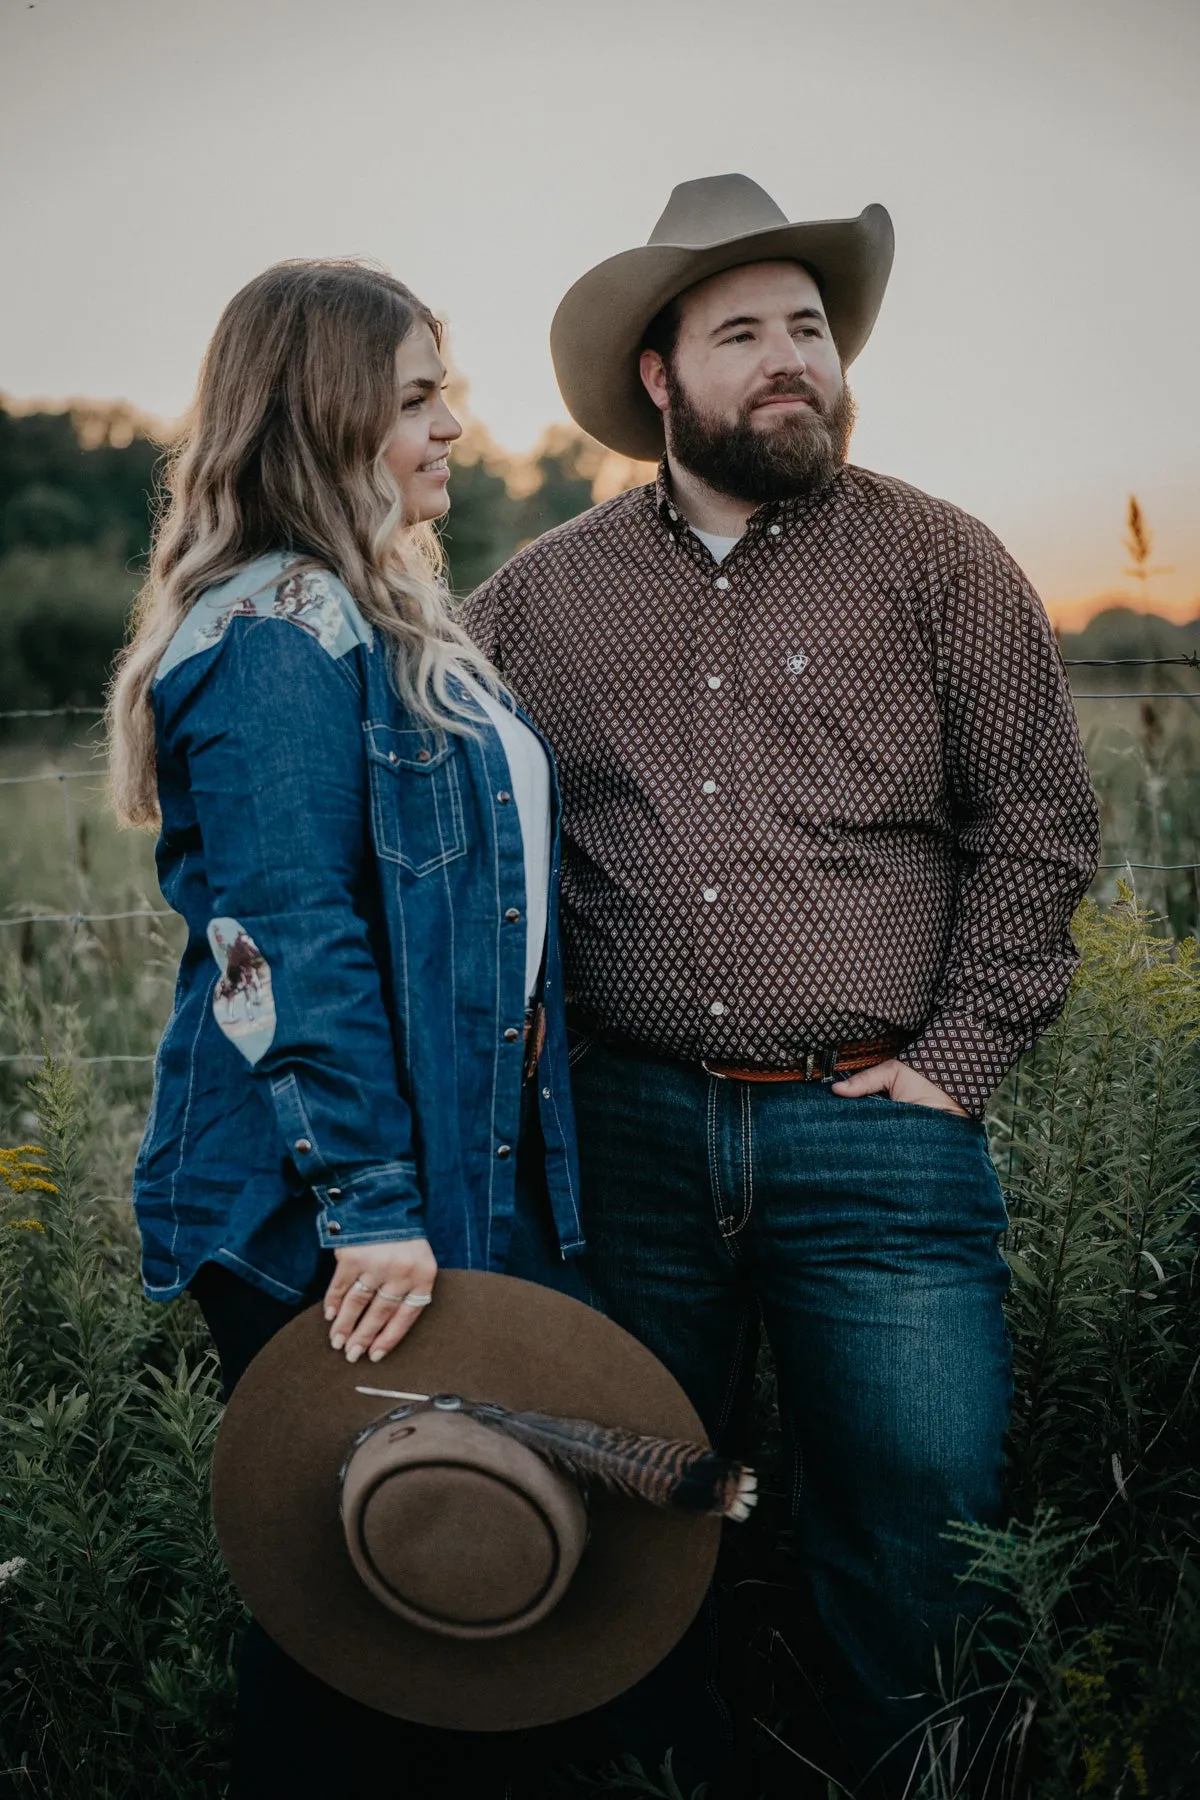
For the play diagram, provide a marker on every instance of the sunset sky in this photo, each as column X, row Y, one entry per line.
column 1037, row 357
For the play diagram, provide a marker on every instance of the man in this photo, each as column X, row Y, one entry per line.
column 827, row 818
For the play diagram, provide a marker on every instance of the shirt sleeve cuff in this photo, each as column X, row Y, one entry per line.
column 374, row 1206
column 963, row 1058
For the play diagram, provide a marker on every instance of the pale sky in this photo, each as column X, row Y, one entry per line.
column 1036, row 358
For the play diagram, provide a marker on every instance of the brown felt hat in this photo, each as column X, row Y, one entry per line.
column 710, row 225
column 428, row 1563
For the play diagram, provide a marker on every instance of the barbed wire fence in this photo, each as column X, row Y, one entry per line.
column 74, row 920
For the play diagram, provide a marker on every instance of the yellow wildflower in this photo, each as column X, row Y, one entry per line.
column 24, row 1170
column 1095, row 1764
column 1137, row 1767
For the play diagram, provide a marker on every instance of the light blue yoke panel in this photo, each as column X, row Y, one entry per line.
column 312, row 599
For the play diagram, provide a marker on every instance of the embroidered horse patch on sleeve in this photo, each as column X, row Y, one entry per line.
column 243, row 1004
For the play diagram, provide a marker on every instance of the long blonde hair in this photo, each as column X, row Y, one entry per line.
column 283, row 450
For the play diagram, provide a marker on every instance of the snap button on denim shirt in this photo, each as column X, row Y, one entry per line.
column 343, row 1062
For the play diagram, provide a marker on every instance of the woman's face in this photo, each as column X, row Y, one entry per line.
column 425, row 428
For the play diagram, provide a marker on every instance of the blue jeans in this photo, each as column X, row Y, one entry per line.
column 862, row 1234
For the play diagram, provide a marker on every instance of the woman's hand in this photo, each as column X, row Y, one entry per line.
column 365, row 1302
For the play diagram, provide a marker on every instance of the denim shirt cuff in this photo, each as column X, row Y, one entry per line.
column 374, row 1206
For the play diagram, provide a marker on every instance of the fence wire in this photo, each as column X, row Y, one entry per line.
column 75, row 919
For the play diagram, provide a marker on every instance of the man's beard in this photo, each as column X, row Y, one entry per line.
column 799, row 454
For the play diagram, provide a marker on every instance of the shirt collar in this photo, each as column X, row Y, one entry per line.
column 772, row 512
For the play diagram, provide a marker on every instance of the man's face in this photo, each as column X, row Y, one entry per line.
column 753, row 396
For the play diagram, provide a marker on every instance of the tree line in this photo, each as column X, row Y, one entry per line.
column 78, row 492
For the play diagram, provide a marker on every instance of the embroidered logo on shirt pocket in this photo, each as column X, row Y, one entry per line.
column 416, row 802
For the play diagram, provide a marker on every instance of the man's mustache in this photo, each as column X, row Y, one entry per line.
column 789, row 387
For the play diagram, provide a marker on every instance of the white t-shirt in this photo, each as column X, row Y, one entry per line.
column 529, row 776
column 718, row 546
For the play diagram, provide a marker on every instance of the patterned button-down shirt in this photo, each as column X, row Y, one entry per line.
column 828, row 788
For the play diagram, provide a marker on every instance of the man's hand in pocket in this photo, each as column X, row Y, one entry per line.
column 898, row 1082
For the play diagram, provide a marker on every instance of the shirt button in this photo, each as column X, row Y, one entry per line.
column 334, row 1193
column 717, row 1008
column 722, row 582
column 504, row 796
column 545, row 1093
column 671, row 513
column 775, row 530
column 512, row 915
column 504, row 1151
column 714, row 681
column 302, row 1146
column 422, row 756
column 708, row 787
column 392, row 757
column 332, row 1227
column 511, row 1035
column 710, row 895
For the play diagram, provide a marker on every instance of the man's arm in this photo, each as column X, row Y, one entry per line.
column 1025, row 820
column 481, row 615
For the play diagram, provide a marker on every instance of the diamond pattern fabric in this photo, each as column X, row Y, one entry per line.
column 829, row 788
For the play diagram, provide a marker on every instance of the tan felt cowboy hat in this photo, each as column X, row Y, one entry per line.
column 470, row 1542
column 710, row 225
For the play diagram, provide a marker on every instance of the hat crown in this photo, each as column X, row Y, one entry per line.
column 456, row 1528
column 714, row 208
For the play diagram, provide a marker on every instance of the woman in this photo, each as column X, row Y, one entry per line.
column 364, row 1074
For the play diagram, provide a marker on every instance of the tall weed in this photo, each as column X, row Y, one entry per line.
column 117, row 1619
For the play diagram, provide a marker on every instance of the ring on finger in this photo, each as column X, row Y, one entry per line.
column 418, row 1299
column 363, row 1287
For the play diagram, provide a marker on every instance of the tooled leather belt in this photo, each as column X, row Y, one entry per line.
column 819, row 1065
column 813, row 1065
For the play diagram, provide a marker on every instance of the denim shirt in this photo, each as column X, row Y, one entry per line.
column 343, row 1062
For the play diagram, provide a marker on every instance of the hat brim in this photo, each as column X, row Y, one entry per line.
column 598, row 328
column 285, row 1435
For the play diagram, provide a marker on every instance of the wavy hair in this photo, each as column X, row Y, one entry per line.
column 283, row 450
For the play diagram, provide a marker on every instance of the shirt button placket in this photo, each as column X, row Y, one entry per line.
column 714, row 752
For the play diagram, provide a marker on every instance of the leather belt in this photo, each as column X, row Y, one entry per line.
column 819, row 1065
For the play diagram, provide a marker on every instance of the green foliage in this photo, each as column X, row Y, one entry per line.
column 1097, row 1138
column 115, row 1652
column 486, row 525
column 56, row 490
column 62, row 620
column 1145, row 756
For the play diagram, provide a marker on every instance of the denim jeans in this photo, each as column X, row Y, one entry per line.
column 293, row 1734
column 862, row 1234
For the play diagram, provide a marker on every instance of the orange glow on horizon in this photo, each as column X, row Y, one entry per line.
column 1073, row 615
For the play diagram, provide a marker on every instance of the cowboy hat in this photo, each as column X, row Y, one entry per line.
column 710, row 225
column 440, row 1559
